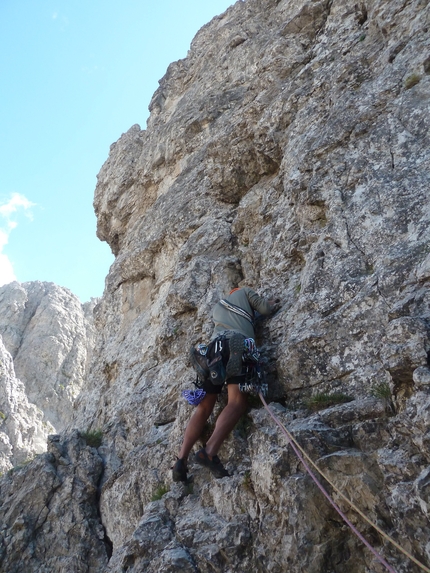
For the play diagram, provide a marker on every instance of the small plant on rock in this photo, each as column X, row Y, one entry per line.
column 189, row 488
column 382, row 391
column 324, row 400
column 161, row 490
column 93, row 438
column 412, row 81
column 247, row 481
column 21, row 465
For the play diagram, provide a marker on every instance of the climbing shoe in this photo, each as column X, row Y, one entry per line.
column 200, row 363
column 237, row 347
column 179, row 470
column 214, row 465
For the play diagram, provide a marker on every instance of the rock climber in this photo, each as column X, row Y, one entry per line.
column 233, row 319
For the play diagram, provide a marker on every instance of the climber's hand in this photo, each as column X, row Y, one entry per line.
column 275, row 304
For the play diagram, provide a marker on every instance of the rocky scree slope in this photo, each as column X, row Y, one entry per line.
column 290, row 152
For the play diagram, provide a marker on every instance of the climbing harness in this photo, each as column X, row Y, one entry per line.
column 218, row 352
column 301, row 454
column 210, row 361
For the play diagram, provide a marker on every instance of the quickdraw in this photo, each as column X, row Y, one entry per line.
column 254, row 382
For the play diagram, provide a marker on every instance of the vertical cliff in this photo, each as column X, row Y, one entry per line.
column 46, row 339
column 289, row 152
column 50, row 336
column 23, row 431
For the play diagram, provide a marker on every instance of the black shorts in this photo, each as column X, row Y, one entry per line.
column 210, row 388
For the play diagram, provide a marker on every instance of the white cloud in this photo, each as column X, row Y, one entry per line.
column 15, row 202
column 6, row 271
column 8, row 211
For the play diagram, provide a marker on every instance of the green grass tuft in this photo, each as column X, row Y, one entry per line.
column 159, row 492
column 21, row 465
column 189, row 488
column 412, row 81
column 247, row 481
column 381, row 391
column 93, row 438
column 323, row 400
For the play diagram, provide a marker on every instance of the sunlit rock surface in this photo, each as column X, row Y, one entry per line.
column 50, row 335
column 289, row 152
column 23, row 431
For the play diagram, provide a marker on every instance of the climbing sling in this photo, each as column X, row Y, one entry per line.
column 237, row 310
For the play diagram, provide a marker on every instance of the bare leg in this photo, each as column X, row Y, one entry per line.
column 197, row 423
column 236, row 407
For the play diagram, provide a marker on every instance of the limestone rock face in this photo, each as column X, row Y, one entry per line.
column 55, row 526
column 23, row 432
column 289, row 152
column 50, row 336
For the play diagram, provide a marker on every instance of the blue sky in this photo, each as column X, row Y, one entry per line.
column 75, row 75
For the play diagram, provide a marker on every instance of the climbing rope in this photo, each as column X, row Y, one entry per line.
column 301, row 454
